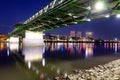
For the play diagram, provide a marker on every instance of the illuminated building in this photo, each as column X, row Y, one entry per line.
column 79, row 34
column 89, row 34
column 72, row 33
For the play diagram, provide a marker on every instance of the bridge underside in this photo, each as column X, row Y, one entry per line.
column 68, row 13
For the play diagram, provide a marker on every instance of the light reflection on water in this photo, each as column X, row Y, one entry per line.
column 72, row 49
column 14, row 47
column 2, row 46
column 89, row 50
column 32, row 53
column 53, row 60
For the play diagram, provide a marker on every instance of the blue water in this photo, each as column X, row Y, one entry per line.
column 43, row 63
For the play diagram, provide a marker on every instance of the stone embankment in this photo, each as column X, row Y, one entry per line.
column 109, row 71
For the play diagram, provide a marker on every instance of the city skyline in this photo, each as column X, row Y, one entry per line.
column 107, row 28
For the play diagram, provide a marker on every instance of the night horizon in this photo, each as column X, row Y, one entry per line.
column 101, row 28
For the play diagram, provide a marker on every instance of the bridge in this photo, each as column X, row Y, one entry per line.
column 60, row 13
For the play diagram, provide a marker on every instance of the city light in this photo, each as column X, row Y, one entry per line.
column 99, row 6
column 58, row 18
column 70, row 14
column 88, row 19
column 74, row 22
column 107, row 16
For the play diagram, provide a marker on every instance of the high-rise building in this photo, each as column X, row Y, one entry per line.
column 89, row 34
column 72, row 33
column 78, row 34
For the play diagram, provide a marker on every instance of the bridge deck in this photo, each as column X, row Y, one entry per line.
column 66, row 12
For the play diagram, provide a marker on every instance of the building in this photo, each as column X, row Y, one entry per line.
column 89, row 34
column 72, row 34
column 79, row 34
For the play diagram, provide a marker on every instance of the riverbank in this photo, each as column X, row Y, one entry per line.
column 108, row 71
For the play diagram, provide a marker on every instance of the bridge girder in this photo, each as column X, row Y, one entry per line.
column 66, row 13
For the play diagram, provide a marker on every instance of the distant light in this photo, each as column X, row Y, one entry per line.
column 118, row 15
column 70, row 14
column 99, row 6
column 75, row 22
column 75, row 16
column 107, row 16
column 43, row 34
column 58, row 18
column 89, row 8
column 58, row 39
column 70, row 39
column 65, row 24
column 115, row 39
column 88, row 19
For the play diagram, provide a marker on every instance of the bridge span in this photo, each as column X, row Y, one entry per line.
column 60, row 13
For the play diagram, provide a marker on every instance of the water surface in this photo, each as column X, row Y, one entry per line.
column 43, row 63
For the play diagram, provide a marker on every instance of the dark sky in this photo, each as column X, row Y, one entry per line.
column 14, row 11
column 107, row 28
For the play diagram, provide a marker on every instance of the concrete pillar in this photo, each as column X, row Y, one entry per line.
column 33, row 47
column 13, row 44
column 13, row 40
column 33, row 39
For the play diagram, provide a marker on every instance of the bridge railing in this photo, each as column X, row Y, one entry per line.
column 51, row 5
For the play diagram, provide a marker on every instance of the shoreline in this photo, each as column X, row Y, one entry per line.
column 108, row 71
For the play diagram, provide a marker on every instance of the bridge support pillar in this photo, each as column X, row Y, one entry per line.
column 33, row 39
column 12, row 45
column 13, row 40
column 33, row 47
